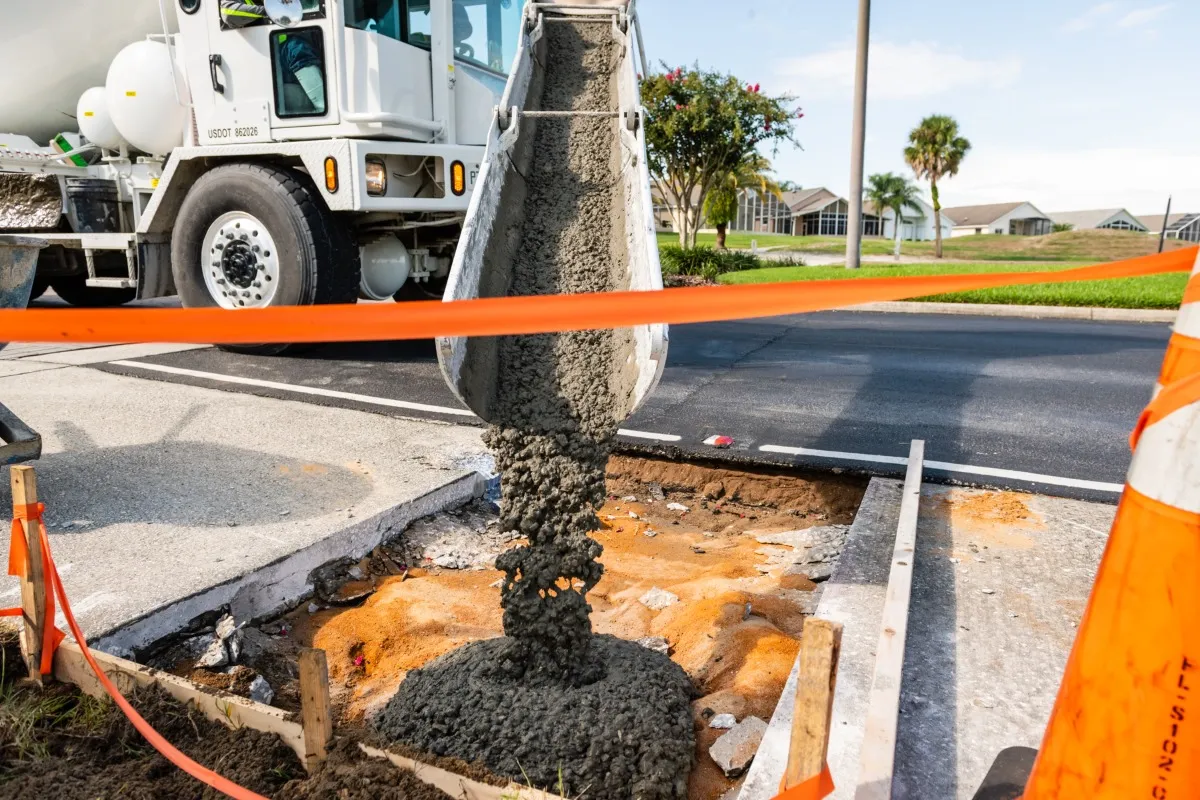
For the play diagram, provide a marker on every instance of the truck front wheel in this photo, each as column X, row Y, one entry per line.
column 256, row 235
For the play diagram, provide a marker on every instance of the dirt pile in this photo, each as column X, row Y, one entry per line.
column 549, row 696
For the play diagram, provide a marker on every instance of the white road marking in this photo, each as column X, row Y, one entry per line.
column 804, row 451
column 296, row 389
column 655, row 437
column 358, row 398
column 946, row 466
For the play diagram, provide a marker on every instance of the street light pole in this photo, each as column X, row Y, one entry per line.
column 854, row 220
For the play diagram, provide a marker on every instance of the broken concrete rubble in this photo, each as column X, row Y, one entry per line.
column 811, row 552
column 657, row 599
column 723, row 721
column 734, row 751
column 261, row 691
column 656, row 643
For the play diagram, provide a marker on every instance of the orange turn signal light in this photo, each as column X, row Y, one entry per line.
column 331, row 175
column 458, row 178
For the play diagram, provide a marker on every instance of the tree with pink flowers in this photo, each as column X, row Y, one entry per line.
column 702, row 127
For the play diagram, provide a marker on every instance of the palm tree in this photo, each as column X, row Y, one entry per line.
column 889, row 190
column 720, row 206
column 935, row 151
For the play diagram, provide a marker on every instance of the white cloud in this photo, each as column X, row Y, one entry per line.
column 1142, row 16
column 1092, row 17
column 1138, row 179
column 897, row 71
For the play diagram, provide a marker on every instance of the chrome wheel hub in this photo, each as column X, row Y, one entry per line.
column 240, row 262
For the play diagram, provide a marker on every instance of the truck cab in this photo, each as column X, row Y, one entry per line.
column 361, row 124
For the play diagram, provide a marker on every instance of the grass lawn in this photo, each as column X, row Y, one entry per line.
column 1153, row 291
column 1090, row 245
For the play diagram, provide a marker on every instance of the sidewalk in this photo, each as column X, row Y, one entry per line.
column 160, row 498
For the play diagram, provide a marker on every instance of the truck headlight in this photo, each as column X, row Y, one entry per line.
column 376, row 174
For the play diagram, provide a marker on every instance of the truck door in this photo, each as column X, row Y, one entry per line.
column 264, row 78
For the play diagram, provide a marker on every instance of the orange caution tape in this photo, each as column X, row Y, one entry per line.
column 525, row 315
column 815, row 788
column 1126, row 723
column 1183, row 358
column 18, row 566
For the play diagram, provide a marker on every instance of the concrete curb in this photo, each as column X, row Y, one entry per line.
column 1026, row 312
column 854, row 596
column 283, row 583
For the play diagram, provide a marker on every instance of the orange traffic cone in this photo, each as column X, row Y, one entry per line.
column 1183, row 352
column 1126, row 723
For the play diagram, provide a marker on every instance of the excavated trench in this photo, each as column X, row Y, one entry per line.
column 712, row 565
column 550, row 699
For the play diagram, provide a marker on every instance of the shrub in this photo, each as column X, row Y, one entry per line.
column 705, row 262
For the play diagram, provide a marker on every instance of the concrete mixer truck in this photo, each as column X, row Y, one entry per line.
column 318, row 152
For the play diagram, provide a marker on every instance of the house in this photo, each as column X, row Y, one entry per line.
column 1112, row 219
column 762, row 213
column 808, row 212
column 916, row 223
column 1185, row 227
column 1011, row 219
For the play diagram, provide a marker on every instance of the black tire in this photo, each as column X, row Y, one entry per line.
column 40, row 285
column 318, row 260
column 73, row 289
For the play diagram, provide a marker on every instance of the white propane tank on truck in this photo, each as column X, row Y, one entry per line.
column 247, row 154
column 52, row 51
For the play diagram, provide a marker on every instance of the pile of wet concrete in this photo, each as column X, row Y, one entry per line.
column 551, row 703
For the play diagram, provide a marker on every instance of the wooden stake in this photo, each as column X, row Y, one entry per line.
column 33, row 585
column 316, row 714
column 819, row 650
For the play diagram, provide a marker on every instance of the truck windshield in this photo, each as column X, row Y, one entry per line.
column 383, row 16
column 485, row 31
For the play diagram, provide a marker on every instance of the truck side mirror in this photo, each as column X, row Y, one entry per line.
column 284, row 13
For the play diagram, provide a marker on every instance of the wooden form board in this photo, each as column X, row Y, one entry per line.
column 236, row 712
column 878, row 758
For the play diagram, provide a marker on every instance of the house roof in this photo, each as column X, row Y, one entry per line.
column 970, row 216
column 809, row 200
column 1153, row 222
column 1087, row 219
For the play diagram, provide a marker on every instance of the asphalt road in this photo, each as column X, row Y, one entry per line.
column 1014, row 403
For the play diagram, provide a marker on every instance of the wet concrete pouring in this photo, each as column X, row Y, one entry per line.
column 551, row 701
column 712, row 567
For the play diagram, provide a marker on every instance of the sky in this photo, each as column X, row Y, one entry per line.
column 1069, row 104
